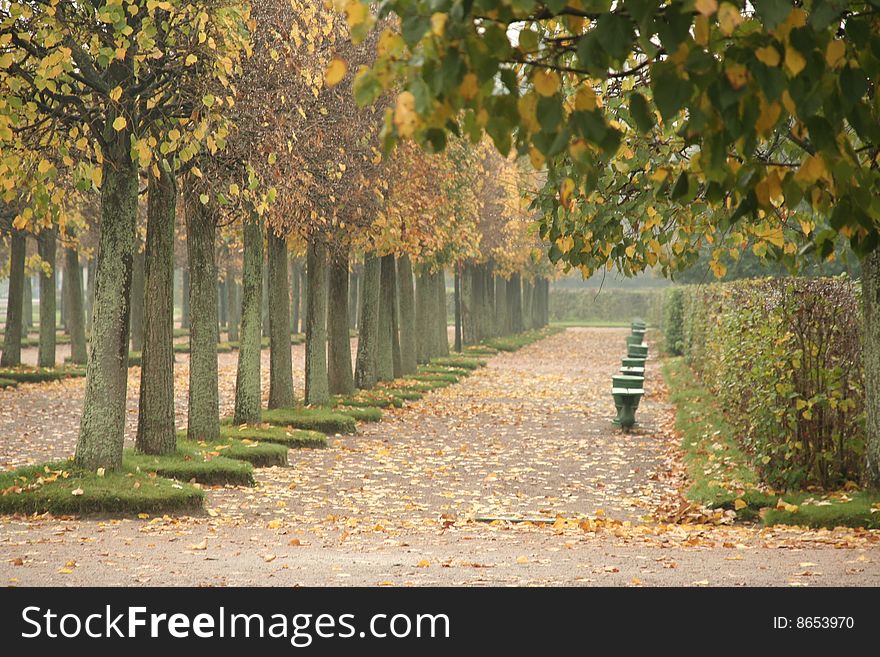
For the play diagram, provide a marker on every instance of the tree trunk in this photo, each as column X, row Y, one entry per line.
column 514, row 303
column 528, row 298
column 365, row 375
column 280, row 364
column 46, row 245
column 89, row 295
column 155, row 429
column 248, row 397
column 184, row 299
column 500, row 306
column 384, row 356
column 339, row 372
column 232, row 307
column 137, row 299
column 303, row 296
column 62, row 302
column 265, row 310
column 423, row 317
column 222, row 315
column 317, row 385
column 76, row 320
column 871, row 364
column 397, row 365
column 442, row 339
column 14, row 301
column 102, row 428
column 27, row 305
column 406, row 292
column 467, row 294
column 295, row 274
column 456, row 300
column 353, row 287
column 203, row 418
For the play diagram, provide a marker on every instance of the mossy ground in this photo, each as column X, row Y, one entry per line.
column 375, row 398
column 361, row 413
column 448, row 378
column 290, row 438
column 41, row 374
column 458, row 362
column 8, row 383
column 240, row 448
column 62, row 489
column 723, row 476
column 314, row 419
column 194, row 462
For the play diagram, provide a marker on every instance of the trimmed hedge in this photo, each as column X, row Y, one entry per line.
column 783, row 358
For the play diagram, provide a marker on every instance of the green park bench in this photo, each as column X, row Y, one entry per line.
column 637, row 350
column 638, row 325
column 627, row 391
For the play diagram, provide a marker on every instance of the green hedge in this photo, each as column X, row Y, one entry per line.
column 673, row 321
column 783, row 358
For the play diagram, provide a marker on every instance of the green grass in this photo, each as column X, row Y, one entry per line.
column 290, row 438
column 135, row 359
column 51, row 487
column 194, row 462
column 459, row 362
column 361, row 413
column 313, row 419
column 520, row 340
column 440, row 369
column 374, row 398
column 405, row 395
column 722, row 473
column 410, row 385
column 8, row 383
column 479, row 350
column 181, row 332
column 41, row 374
column 448, row 378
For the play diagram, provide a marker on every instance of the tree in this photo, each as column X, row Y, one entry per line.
column 740, row 124
column 83, row 86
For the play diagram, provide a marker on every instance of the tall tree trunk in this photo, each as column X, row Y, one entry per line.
column 155, row 429
column 14, row 301
column 365, row 375
column 46, row 244
column 442, row 337
column 137, row 299
column 295, row 274
column 232, row 306
column 27, row 306
column 424, row 306
column 871, row 364
column 62, row 302
column 339, row 372
column 468, row 319
column 184, row 299
column 303, row 295
column 203, row 418
column 76, row 320
column 396, row 362
column 407, row 302
column 280, row 364
column 265, row 309
column 317, row 385
column 353, row 288
column 501, row 306
column 456, row 300
column 89, row 295
column 102, row 428
column 527, row 296
column 385, row 356
column 514, row 303
column 222, row 313
column 248, row 397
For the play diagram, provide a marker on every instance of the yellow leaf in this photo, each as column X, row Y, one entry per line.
column 536, row 157
column 424, row 563
column 701, row 30
column 405, row 114
column 335, row 72
column 565, row 191
column 200, row 546
column 706, row 7
column 834, row 53
column 469, row 86
column 100, row 472
column 116, row 93
column 729, row 18
column 274, row 524
column 768, row 55
column 190, row 59
column 739, row 504
column 77, row 492
column 585, row 99
column 522, row 559
column 44, row 166
column 438, row 23
column 768, row 117
column 794, row 61
column 546, row 82
column 120, row 123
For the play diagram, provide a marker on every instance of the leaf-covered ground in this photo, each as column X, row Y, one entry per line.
column 513, row 476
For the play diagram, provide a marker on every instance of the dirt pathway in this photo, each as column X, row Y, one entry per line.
column 411, row 501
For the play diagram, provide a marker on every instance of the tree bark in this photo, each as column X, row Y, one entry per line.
column 248, row 397
column 27, row 306
column 365, row 375
column 46, row 244
column 407, row 302
column 339, row 372
column 303, row 295
column 528, row 298
column 155, row 429
column 514, row 303
column 295, row 273
column 456, row 300
column 871, row 364
column 184, row 299
column 102, row 428
column 397, row 365
column 468, row 320
column 232, row 307
column 203, row 419
column 424, row 305
column 62, row 302
column 137, row 299
column 353, row 288
column 14, row 301
column 76, row 319
column 280, row 364
column 501, row 306
column 317, row 384
column 384, row 355
column 442, row 338
column 222, row 314
column 265, row 310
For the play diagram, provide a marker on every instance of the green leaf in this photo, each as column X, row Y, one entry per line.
column 615, row 34
column 641, row 112
column 671, row 93
column 772, row 12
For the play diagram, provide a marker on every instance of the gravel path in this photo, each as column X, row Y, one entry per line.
column 514, row 476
